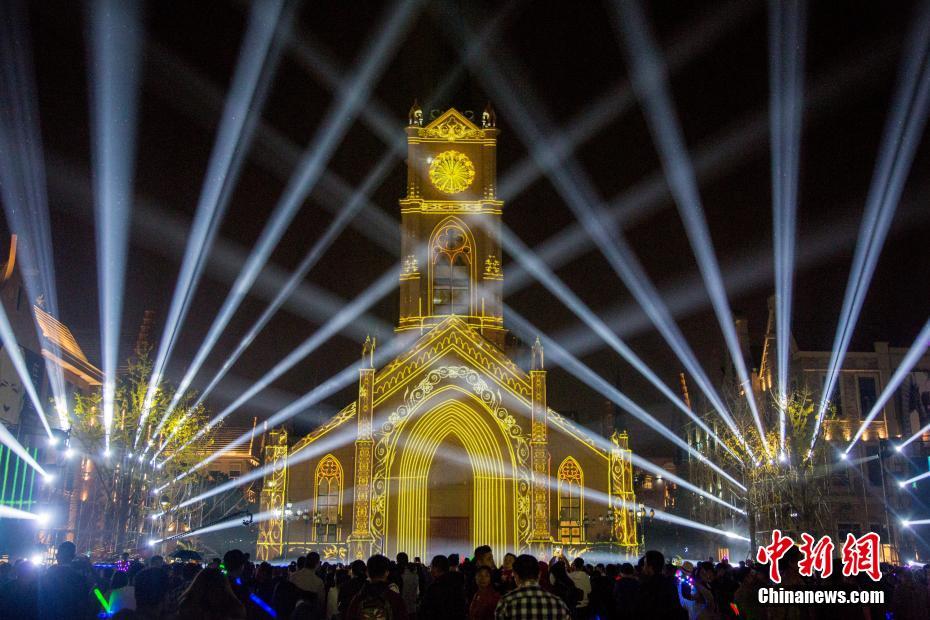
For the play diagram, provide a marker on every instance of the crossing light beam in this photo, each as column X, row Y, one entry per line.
column 115, row 43
column 903, row 129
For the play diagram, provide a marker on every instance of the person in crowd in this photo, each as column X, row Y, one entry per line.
column 724, row 588
column 485, row 599
column 505, row 581
column 455, row 573
column 658, row 593
column 602, row 584
column 582, row 581
column 156, row 561
column 359, row 576
column 563, row 586
column 625, row 592
column 705, row 603
column 910, row 599
column 263, row 584
column 63, row 591
column 150, row 586
column 484, row 556
column 185, row 576
column 19, row 592
column 528, row 601
column 308, row 581
column 209, row 596
column 122, row 594
column 285, row 598
column 234, row 562
column 337, row 580
column 444, row 597
column 376, row 599
column 544, row 581
column 409, row 582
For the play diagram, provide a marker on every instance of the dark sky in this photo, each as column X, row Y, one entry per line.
column 564, row 55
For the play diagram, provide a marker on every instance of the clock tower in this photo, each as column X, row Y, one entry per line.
column 451, row 224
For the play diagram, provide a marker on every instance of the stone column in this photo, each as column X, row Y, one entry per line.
column 540, row 537
column 622, row 498
column 360, row 540
column 274, row 490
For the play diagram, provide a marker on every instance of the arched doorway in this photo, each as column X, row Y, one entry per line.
column 483, row 464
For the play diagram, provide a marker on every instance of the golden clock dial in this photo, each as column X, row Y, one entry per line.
column 451, row 172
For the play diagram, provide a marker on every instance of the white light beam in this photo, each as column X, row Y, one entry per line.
column 116, row 36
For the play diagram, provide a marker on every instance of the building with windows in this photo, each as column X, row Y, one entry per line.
column 861, row 493
column 449, row 444
column 46, row 345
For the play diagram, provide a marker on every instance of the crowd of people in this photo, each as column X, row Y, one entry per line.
column 476, row 588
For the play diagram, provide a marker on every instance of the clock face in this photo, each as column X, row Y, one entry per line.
column 451, row 172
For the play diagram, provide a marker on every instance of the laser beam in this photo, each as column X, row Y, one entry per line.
column 719, row 154
column 333, row 127
column 917, row 478
column 578, row 192
column 16, row 356
column 8, row 512
column 911, row 358
column 371, row 182
column 650, row 83
column 786, row 83
column 904, row 126
column 267, row 30
column 384, row 285
column 115, row 43
column 516, row 248
column 13, row 444
column 23, row 182
column 596, row 382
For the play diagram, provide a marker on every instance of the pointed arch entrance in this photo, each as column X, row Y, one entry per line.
column 454, row 422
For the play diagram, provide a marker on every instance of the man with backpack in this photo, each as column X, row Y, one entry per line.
column 376, row 600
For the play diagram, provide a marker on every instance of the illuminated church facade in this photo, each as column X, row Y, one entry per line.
column 451, row 444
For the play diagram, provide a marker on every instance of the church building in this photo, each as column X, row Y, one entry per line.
column 451, row 444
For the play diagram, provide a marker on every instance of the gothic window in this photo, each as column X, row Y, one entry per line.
column 571, row 485
column 328, row 499
column 452, row 257
column 867, row 395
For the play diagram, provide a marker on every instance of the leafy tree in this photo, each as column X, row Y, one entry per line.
column 117, row 492
column 785, row 487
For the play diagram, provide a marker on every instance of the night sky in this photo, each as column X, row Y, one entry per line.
column 563, row 55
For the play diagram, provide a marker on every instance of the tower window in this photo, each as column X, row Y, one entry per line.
column 867, row 395
column 571, row 483
column 328, row 499
column 451, row 254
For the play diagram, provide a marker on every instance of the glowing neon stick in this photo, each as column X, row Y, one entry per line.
column 103, row 601
column 271, row 612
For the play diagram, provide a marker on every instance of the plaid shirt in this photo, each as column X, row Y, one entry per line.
column 531, row 603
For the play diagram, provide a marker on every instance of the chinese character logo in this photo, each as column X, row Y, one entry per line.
column 860, row 555
column 774, row 552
